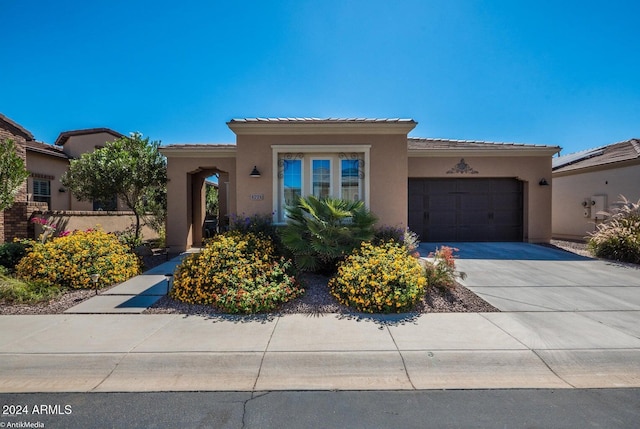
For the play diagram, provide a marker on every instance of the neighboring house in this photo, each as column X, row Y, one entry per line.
column 43, row 192
column 47, row 164
column 588, row 182
column 445, row 190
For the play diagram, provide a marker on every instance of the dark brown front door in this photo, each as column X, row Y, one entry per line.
column 466, row 209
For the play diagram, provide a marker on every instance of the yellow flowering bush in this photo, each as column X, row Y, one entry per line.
column 70, row 261
column 379, row 278
column 237, row 273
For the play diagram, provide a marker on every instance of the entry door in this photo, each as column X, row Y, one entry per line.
column 466, row 209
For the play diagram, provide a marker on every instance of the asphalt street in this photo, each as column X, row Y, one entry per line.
column 520, row 408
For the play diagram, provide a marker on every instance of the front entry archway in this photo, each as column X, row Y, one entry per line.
column 188, row 167
column 198, row 209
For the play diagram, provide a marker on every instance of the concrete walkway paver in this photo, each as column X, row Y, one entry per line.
column 563, row 334
column 132, row 296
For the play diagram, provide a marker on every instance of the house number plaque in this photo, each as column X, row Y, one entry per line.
column 257, row 197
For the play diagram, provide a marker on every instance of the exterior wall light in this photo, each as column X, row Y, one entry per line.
column 543, row 182
column 255, row 172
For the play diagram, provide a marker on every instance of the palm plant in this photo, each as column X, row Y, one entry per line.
column 321, row 232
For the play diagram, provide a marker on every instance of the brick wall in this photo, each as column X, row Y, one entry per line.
column 13, row 219
column 17, row 219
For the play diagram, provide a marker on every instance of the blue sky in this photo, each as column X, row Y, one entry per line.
column 547, row 72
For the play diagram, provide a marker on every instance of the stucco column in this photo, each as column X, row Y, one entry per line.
column 178, row 225
column 199, row 207
column 223, row 197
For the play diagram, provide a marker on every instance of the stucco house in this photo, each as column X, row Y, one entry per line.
column 588, row 182
column 445, row 190
column 43, row 192
column 47, row 163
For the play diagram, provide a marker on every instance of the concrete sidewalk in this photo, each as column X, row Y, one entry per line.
column 551, row 334
column 81, row 353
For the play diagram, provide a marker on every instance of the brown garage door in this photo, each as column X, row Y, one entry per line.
column 466, row 209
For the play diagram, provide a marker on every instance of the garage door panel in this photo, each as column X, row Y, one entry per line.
column 438, row 187
column 475, row 233
column 507, row 217
column 441, row 202
column 505, row 185
column 513, row 200
column 505, row 233
column 441, row 233
column 416, row 188
column 474, row 202
column 416, row 202
column 474, row 218
column 474, row 186
column 444, row 218
column 466, row 209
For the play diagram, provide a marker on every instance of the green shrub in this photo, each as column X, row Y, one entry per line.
column 237, row 273
column 11, row 253
column 14, row 290
column 382, row 278
column 69, row 261
column 321, row 233
column 441, row 272
column 618, row 236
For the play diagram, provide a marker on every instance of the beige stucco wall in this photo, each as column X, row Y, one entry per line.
column 185, row 190
column 569, row 191
column 388, row 154
column 75, row 146
column 53, row 168
column 528, row 169
column 108, row 221
column 40, row 165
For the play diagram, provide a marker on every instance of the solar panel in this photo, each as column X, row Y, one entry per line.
column 575, row 157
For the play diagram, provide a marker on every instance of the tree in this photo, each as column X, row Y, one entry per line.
column 212, row 200
column 131, row 168
column 13, row 173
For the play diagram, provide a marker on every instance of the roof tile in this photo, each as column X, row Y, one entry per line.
column 616, row 152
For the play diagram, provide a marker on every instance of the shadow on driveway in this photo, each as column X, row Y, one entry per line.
column 504, row 251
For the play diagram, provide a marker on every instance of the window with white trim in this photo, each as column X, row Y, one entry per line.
column 351, row 179
column 321, row 178
column 290, row 181
column 336, row 175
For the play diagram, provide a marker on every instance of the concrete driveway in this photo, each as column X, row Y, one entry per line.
column 580, row 315
column 527, row 277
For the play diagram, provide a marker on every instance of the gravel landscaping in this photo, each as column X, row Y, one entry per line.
column 317, row 300
column 578, row 248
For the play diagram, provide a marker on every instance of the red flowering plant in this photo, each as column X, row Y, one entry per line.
column 441, row 270
column 49, row 229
